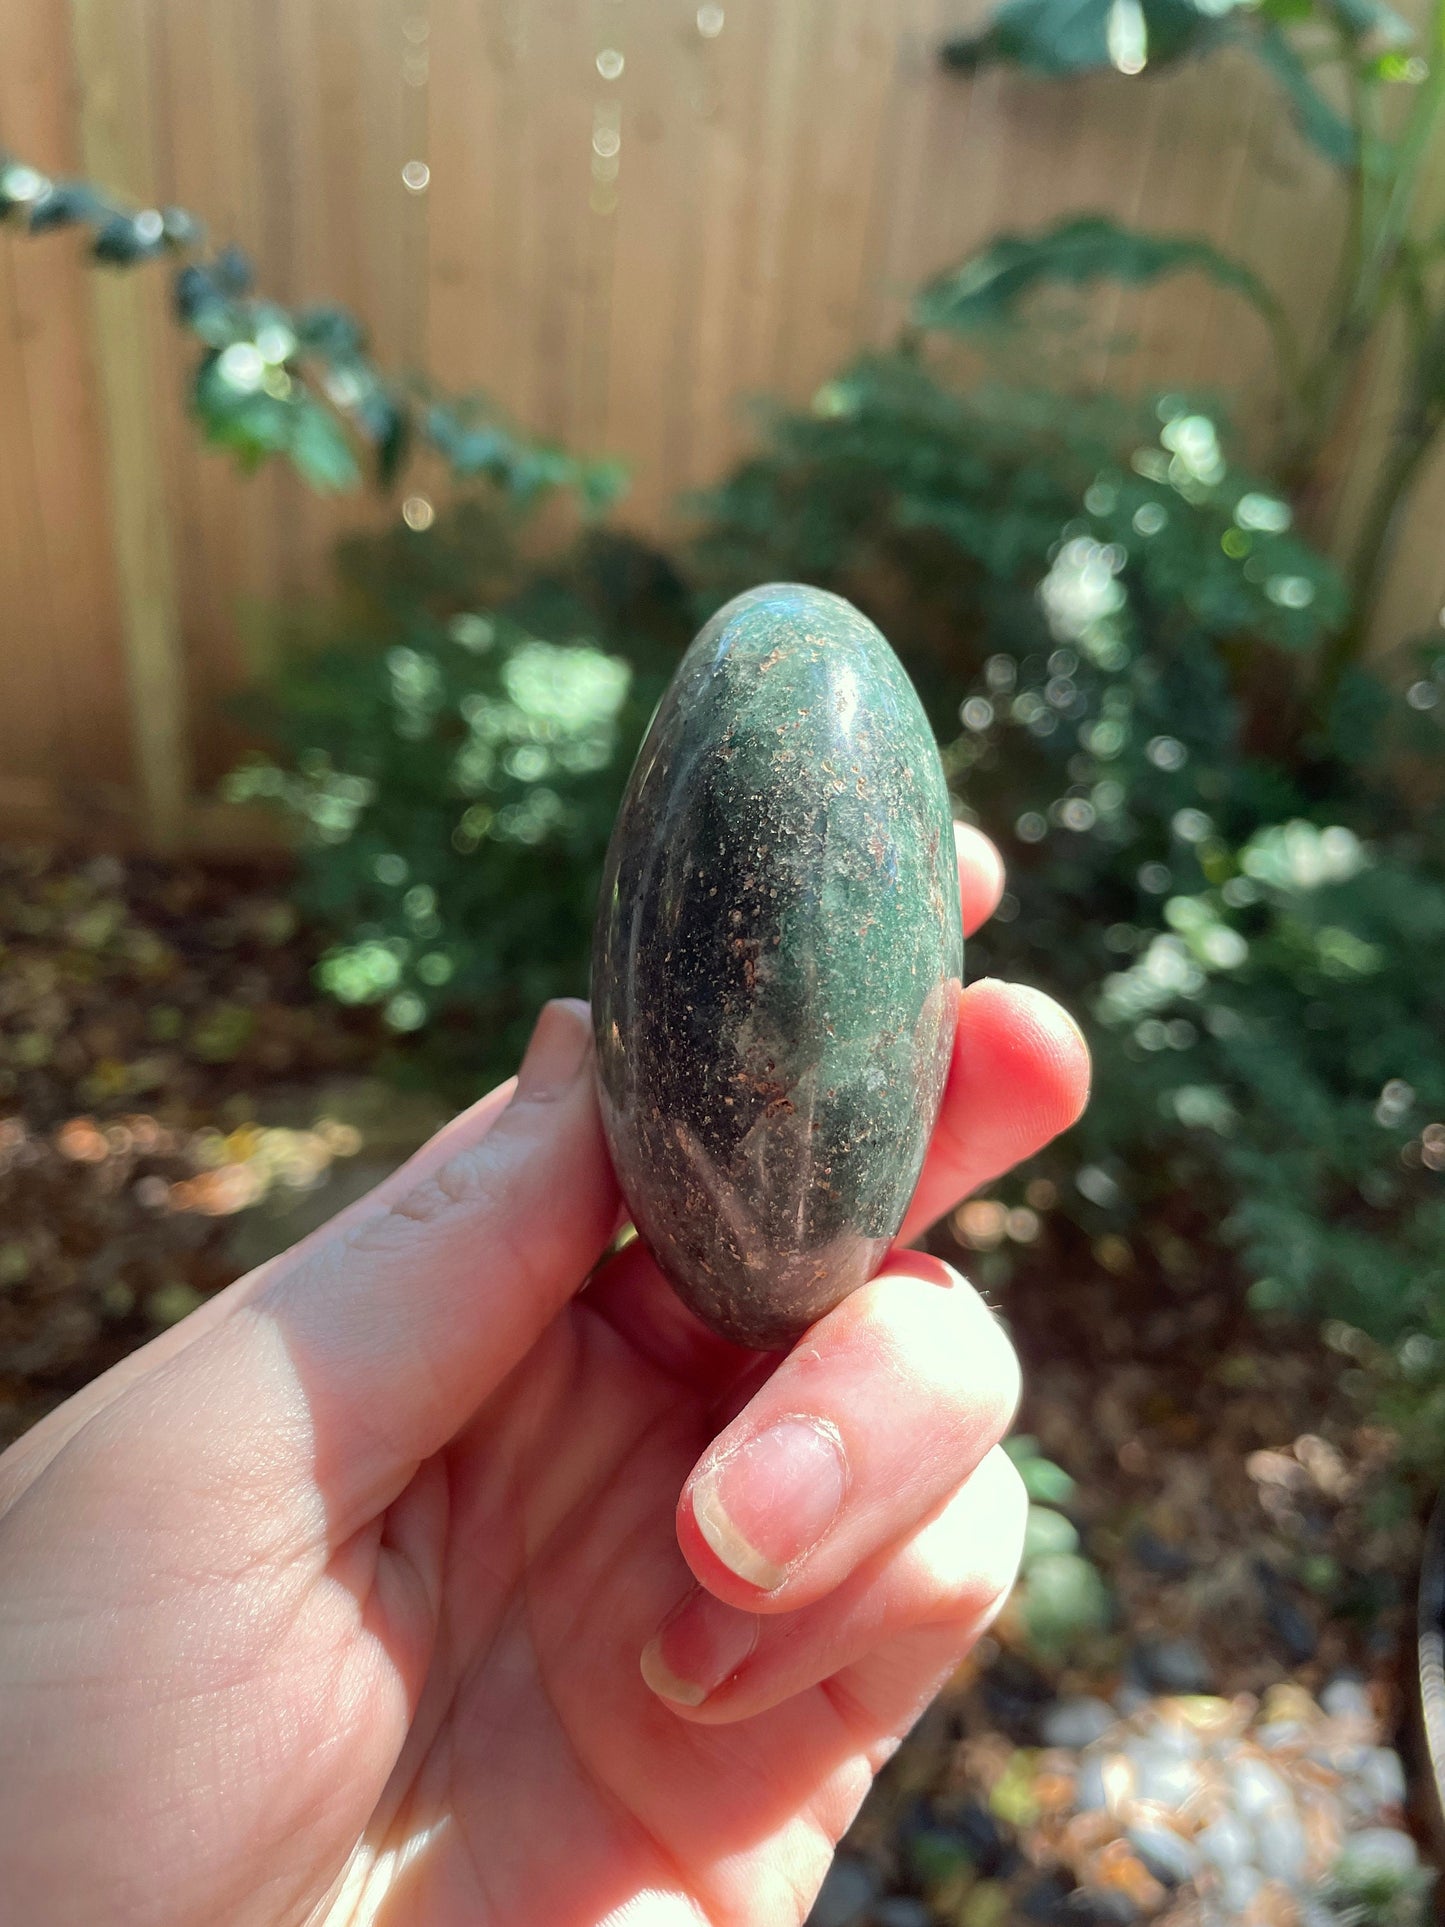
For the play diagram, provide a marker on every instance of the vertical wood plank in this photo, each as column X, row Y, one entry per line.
column 115, row 122
column 62, row 665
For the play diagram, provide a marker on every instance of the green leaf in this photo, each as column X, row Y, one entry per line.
column 332, row 331
column 320, row 450
column 389, row 426
column 1047, row 1532
column 1063, row 1601
column 67, row 203
column 1046, row 1483
column 1321, row 126
column 1371, row 24
column 602, row 484
column 1062, row 37
column 986, row 290
column 21, row 187
column 233, row 271
column 125, row 239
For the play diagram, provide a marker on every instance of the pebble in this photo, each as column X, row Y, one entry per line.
column 1088, row 1909
column 1258, row 1789
column 1292, row 1628
column 1226, row 1843
column 846, row 1896
column 1168, row 1855
column 1281, row 1849
column 1157, row 1555
column 1383, row 1776
column 1161, row 1774
column 1228, row 1811
column 900, row 1910
column 1047, row 1900
column 1239, row 1888
column 1282, row 1734
column 1347, row 1697
column 982, row 1839
column 1091, row 1793
column 1172, row 1666
column 1076, row 1723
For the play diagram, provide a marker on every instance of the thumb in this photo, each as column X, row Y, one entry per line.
column 402, row 1321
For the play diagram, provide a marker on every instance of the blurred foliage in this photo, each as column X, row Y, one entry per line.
column 298, row 383
column 1364, row 1896
column 1367, row 93
column 1061, row 1601
column 452, row 736
column 1247, row 912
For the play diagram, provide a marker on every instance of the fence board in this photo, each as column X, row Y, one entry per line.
column 64, row 722
column 111, row 44
column 783, row 174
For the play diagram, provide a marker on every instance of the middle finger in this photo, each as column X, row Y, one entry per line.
column 883, row 1408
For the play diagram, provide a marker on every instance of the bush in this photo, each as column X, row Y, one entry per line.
column 450, row 739
column 1242, row 902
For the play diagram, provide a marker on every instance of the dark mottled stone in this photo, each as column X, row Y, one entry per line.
column 774, row 971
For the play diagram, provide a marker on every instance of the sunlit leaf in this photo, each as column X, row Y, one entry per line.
column 125, row 239
column 65, row 204
column 1062, row 37
column 320, row 450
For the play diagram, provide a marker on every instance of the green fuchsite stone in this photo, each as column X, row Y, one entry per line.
column 775, row 965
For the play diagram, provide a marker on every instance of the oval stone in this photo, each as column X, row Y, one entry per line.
column 776, row 963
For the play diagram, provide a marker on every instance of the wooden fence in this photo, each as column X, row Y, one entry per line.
column 619, row 257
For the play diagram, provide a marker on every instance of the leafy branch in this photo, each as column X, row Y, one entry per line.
column 298, row 383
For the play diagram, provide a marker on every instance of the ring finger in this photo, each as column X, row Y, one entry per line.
column 883, row 1641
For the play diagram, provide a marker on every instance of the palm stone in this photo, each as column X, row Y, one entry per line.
column 776, row 963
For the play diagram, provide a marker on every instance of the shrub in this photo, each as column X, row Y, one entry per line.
column 1245, row 906
column 450, row 738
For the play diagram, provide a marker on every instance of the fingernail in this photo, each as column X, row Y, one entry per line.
column 699, row 1646
column 764, row 1506
column 557, row 1051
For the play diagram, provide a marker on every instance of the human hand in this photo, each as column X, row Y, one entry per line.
column 328, row 1605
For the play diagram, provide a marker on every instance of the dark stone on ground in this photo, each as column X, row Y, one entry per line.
column 1015, row 1696
column 1157, row 1555
column 1166, row 1854
column 983, row 1840
column 846, row 1895
column 1090, row 1909
column 1047, row 1900
column 1171, row 1666
column 900, row 1910
column 1075, row 1723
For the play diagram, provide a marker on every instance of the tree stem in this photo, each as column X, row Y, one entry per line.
column 1374, row 550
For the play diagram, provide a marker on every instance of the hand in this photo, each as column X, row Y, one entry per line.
column 329, row 1604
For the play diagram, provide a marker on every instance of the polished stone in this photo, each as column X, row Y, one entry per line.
column 776, row 963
